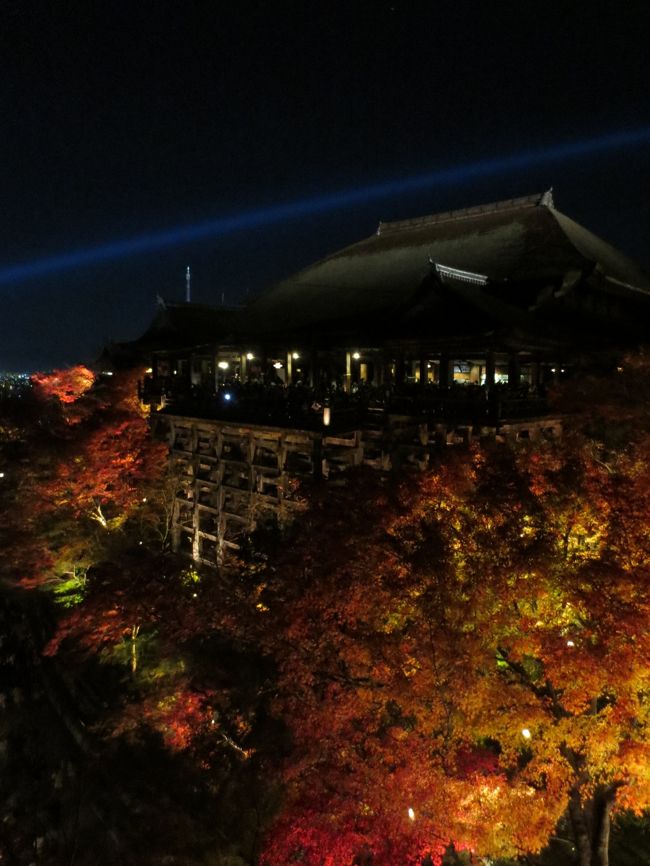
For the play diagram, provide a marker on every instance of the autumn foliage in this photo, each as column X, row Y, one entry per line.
column 91, row 473
column 460, row 657
column 65, row 386
column 472, row 647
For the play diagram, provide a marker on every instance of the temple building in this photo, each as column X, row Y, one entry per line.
column 505, row 293
column 431, row 331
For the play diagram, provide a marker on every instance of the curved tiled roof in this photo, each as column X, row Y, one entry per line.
column 516, row 243
column 182, row 325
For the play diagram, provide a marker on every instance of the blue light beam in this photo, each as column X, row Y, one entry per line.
column 253, row 219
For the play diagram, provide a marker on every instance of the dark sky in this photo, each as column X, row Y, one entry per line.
column 122, row 118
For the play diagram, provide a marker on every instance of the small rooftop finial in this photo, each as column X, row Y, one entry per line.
column 547, row 198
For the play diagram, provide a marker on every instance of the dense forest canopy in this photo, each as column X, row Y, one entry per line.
column 451, row 663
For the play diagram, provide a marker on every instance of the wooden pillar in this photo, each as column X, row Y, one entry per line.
column 355, row 368
column 400, row 369
column 196, row 524
column 490, row 369
column 380, row 369
column 446, row 370
column 314, row 372
column 535, row 375
column 424, row 371
column 347, row 379
column 514, row 372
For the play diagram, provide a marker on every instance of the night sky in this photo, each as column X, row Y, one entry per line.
column 122, row 119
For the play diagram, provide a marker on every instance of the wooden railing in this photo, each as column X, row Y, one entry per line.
column 304, row 408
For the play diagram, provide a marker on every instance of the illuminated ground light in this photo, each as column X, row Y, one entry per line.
column 440, row 178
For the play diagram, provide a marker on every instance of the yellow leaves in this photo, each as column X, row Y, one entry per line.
column 394, row 620
column 410, row 667
column 190, row 576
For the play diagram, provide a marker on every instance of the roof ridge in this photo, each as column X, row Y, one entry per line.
column 544, row 199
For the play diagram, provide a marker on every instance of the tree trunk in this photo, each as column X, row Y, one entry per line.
column 580, row 829
column 591, row 821
column 602, row 810
column 134, row 648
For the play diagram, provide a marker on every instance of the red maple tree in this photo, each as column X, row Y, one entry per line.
column 497, row 607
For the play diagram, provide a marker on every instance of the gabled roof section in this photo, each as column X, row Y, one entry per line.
column 180, row 325
column 517, row 243
column 545, row 198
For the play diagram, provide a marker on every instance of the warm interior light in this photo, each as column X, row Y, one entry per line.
column 570, row 643
column 223, row 365
column 411, row 814
column 249, row 356
column 356, row 356
column 526, row 734
column 295, row 356
column 327, row 416
column 278, row 365
column 149, row 370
